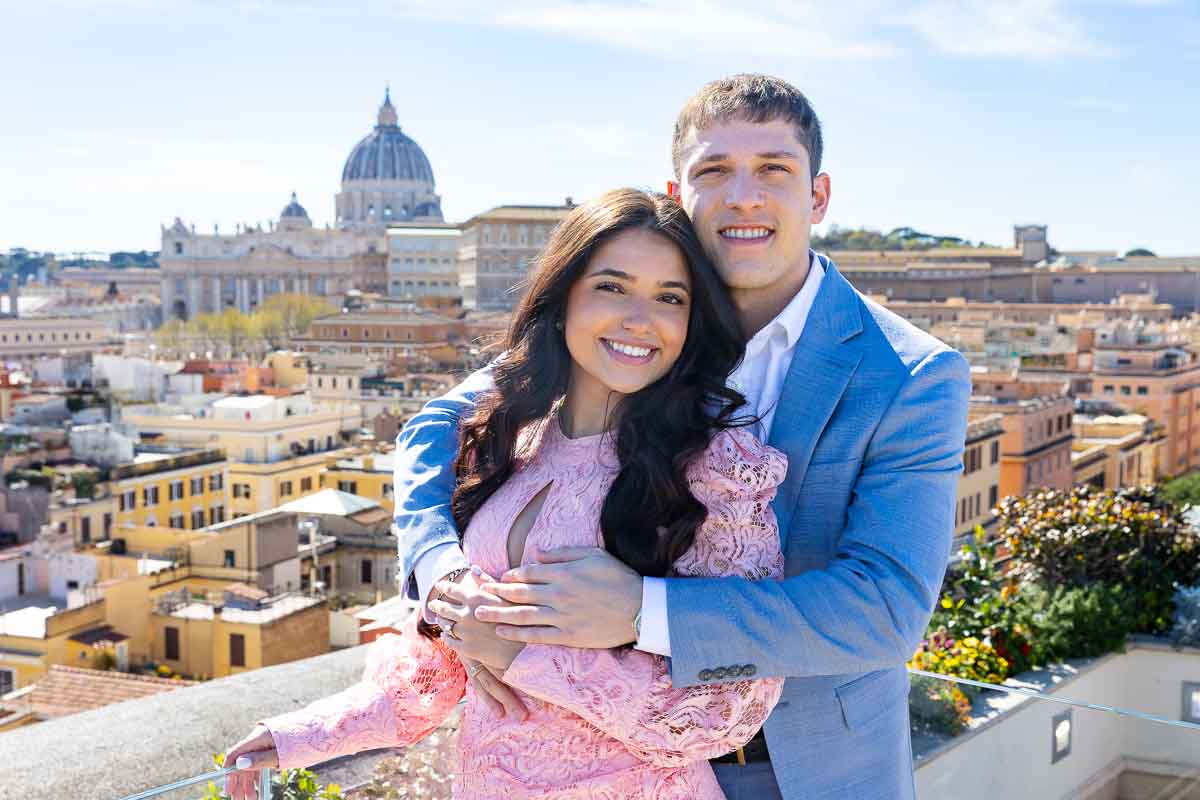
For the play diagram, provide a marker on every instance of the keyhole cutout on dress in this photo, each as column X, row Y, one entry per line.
column 518, row 534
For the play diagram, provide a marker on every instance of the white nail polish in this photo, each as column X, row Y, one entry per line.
column 243, row 762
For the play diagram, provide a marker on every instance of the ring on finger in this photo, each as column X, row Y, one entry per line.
column 448, row 628
column 476, row 670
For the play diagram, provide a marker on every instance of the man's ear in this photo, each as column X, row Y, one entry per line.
column 673, row 190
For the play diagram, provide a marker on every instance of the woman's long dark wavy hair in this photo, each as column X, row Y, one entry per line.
column 650, row 517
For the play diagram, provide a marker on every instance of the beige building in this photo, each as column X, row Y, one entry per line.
column 27, row 338
column 422, row 260
column 497, row 249
column 979, row 486
column 1035, row 449
column 1111, row 452
column 257, row 487
column 386, row 179
column 381, row 337
column 257, row 429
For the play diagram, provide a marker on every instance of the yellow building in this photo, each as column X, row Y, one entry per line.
column 246, row 629
column 256, row 487
column 1111, row 452
column 979, row 485
column 184, row 490
column 368, row 475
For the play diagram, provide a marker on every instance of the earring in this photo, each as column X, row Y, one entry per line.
column 558, row 325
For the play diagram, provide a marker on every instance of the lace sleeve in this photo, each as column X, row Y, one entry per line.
column 627, row 693
column 410, row 685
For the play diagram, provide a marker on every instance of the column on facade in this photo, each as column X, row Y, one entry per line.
column 260, row 290
column 304, row 284
column 193, row 296
column 168, row 295
column 216, row 293
column 239, row 293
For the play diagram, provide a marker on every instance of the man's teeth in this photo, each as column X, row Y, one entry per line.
column 746, row 233
column 629, row 350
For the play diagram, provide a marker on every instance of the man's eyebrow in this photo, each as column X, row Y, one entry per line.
column 779, row 154
column 616, row 273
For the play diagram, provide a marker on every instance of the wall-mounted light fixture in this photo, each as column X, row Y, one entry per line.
column 1191, row 702
column 1060, row 736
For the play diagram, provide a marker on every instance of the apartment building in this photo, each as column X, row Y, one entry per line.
column 367, row 475
column 170, row 488
column 1110, row 452
column 422, row 260
column 1035, row 449
column 27, row 338
column 979, row 486
column 256, row 487
column 257, row 429
column 497, row 249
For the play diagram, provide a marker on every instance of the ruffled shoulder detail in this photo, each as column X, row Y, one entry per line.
column 737, row 465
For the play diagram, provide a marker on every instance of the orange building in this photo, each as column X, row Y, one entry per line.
column 1035, row 449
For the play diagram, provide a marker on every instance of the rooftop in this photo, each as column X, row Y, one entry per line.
column 283, row 606
column 70, row 690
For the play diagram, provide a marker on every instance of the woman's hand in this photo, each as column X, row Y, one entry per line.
column 471, row 639
column 259, row 747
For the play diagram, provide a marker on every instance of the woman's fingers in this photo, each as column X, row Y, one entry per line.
column 257, row 759
column 499, row 692
column 450, row 611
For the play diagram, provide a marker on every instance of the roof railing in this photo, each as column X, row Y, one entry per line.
column 264, row 784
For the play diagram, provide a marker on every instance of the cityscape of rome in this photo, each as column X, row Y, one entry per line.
column 198, row 430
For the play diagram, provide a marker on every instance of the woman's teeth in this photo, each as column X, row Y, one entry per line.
column 746, row 233
column 629, row 350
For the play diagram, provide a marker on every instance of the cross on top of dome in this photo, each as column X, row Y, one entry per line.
column 387, row 111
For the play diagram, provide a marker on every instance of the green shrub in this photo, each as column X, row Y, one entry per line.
column 1133, row 538
column 977, row 601
column 1183, row 491
column 1077, row 621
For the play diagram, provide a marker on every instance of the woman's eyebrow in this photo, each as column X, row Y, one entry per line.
column 616, row 273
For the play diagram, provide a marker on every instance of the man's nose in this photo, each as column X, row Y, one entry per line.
column 743, row 192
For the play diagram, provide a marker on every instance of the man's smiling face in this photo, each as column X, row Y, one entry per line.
column 747, row 189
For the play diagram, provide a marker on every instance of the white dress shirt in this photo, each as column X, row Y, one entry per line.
column 759, row 378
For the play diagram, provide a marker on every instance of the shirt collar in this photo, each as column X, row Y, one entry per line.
column 794, row 315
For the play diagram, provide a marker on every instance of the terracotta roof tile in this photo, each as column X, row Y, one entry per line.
column 69, row 690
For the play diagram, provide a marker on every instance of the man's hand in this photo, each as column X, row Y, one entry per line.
column 576, row 597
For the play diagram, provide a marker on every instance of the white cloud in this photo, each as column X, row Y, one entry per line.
column 1041, row 29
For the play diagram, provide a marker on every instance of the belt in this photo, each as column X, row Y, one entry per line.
column 751, row 752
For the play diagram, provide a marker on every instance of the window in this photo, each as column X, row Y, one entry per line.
column 1108, row 389
column 1142, row 390
column 216, row 514
column 229, row 559
column 176, row 490
column 20, row 578
column 8, row 680
column 197, row 486
column 993, row 496
column 306, row 483
column 171, row 640
column 237, row 650
column 177, row 520
column 348, row 486
column 150, row 496
column 107, row 524
column 1125, row 390
column 365, row 567
column 179, row 248
column 129, row 500
column 995, row 452
column 197, row 519
column 216, row 482
column 285, row 488
column 85, row 529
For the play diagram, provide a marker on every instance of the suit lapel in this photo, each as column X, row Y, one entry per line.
column 823, row 362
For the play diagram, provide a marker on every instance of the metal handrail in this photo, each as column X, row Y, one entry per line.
column 264, row 783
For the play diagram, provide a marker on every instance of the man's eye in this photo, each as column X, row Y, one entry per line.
column 706, row 170
column 777, row 168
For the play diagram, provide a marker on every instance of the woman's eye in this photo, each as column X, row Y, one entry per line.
column 673, row 299
column 609, row 287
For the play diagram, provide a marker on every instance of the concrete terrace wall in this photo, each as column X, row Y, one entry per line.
column 1008, row 755
column 125, row 748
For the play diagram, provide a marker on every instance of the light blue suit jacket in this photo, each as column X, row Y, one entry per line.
column 872, row 417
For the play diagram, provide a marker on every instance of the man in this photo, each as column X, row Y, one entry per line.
column 871, row 413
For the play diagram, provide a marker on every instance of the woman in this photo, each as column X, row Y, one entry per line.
column 609, row 424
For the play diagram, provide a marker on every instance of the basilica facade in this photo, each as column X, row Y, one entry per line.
column 386, row 181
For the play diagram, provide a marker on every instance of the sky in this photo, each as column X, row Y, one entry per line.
column 955, row 117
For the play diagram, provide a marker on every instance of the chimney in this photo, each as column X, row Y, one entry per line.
column 368, row 463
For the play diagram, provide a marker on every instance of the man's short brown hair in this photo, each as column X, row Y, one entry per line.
column 750, row 98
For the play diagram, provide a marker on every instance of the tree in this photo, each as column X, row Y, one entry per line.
column 1140, row 251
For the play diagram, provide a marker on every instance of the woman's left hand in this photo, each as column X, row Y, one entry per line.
column 471, row 639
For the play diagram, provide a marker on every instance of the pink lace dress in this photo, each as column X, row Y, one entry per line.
column 603, row 723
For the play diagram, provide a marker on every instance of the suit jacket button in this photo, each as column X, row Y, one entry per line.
column 749, row 670
column 706, row 674
column 719, row 673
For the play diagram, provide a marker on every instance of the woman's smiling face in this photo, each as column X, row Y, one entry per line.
column 627, row 316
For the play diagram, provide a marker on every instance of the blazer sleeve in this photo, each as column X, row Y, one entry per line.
column 410, row 684
column 868, row 607
column 423, row 475
column 628, row 693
